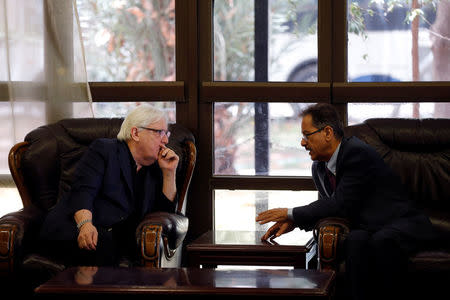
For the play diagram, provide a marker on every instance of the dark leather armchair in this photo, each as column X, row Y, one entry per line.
column 419, row 152
column 42, row 167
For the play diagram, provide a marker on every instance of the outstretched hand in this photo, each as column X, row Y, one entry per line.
column 282, row 225
column 272, row 215
column 278, row 229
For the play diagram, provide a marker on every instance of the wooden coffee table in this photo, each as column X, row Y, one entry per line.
column 246, row 248
column 79, row 282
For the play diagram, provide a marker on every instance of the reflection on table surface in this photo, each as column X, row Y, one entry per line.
column 296, row 237
column 285, row 279
column 175, row 278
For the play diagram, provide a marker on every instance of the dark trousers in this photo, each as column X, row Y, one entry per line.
column 113, row 246
column 375, row 264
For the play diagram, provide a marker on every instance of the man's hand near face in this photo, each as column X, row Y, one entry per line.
column 168, row 162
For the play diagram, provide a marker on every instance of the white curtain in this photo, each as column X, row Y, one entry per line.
column 42, row 69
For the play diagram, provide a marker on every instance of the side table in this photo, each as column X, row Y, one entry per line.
column 213, row 248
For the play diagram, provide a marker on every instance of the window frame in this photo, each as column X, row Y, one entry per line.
column 211, row 92
column 332, row 87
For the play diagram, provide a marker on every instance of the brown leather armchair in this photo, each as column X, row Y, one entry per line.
column 419, row 152
column 42, row 167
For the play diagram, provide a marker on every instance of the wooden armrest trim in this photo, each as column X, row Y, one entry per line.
column 7, row 233
column 15, row 166
column 328, row 240
column 150, row 245
column 329, row 233
column 192, row 152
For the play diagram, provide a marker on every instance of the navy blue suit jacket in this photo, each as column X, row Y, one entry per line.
column 103, row 185
column 367, row 193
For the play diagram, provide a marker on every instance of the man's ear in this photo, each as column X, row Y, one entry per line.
column 329, row 132
column 135, row 134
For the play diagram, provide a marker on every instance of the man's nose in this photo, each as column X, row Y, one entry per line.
column 165, row 140
column 303, row 142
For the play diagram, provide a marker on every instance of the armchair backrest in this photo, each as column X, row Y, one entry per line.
column 418, row 150
column 43, row 166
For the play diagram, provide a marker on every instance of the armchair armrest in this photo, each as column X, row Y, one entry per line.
column 159, row 235
column 329, row 233
column 13, row 228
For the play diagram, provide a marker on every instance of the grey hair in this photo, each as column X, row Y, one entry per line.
column 141, row 116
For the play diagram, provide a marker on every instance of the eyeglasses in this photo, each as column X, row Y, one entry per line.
column 306, row 135
column 161, row 132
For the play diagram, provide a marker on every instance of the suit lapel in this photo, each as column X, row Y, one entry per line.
column 149, row 189
column 125, row 166
column 339, row 160
column 319, row 176
column 319, row 170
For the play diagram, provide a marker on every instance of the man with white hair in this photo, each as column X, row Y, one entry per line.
column 116, row 183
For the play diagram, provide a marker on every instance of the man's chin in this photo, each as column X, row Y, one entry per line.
column 149, row 162
column 316, row 158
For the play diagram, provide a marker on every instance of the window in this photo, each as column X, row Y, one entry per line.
column 369, row 76
column 243, row 205
column 240, row 149
column 11, row 200
column 128, row 40
column 405, row 41
column 25, row 36
column 390, row 41
column 265, row 40
column 125, row 41
column 257, row 42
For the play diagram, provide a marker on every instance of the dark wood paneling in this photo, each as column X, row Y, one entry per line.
column 137, row 91
column 324, row 36
column 265, row 91
column 200, row 210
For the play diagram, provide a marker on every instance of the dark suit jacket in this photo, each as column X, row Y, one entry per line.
column 367, row 193
column 103, row 185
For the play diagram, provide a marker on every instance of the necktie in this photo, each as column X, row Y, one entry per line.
column 331, row 179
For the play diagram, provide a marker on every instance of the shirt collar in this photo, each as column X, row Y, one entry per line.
column 331, row 164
